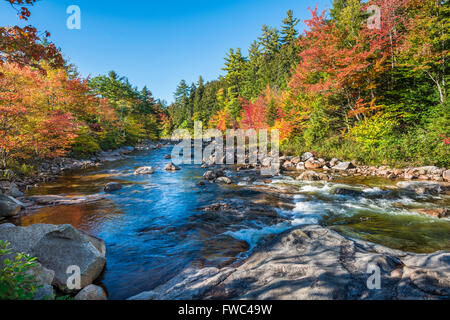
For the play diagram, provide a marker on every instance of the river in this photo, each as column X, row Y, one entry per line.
column 155, row 226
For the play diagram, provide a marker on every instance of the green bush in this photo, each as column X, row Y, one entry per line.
column 15, row 281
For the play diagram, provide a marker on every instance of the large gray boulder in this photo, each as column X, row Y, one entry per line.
column 57, row 248
column 343, row 166
column 314, row 263
column 9, row 207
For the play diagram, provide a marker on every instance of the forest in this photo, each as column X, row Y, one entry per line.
column 342, row 88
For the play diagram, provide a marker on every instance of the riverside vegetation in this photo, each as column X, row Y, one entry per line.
column 341, row 90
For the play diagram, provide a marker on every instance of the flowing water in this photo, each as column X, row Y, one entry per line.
column 154, row 227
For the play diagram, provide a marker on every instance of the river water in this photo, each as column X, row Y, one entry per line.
column 155, row 226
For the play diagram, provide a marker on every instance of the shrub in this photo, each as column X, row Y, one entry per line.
column 15, row 281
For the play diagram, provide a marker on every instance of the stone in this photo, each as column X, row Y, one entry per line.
column 144, row 170
column 113, row 186
column 313, row 176
column 314, row 164
column 437, row 212
column 167, row 157
column 306, row 156
column 348, row 192
column 9, row 207
column 224, row 180
column 57, row 248
column 314, row 263
column 422, row 187
column 171, row 167
column 44, row 278
column 209, row 175
column 343, row 166
column 446, row 175
column 92, row 293
column 334, row 162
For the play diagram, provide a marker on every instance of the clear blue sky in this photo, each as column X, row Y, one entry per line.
column 158, row 43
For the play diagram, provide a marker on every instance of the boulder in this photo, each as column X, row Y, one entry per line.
column 437, row 213
column 167, row 157
column 209, row 175
column 334, row 162
column 315, row 263
column 57, row 248
column 348, row 192
column 421, row 187
column 446, row 175
column 9, row 207
column 171, row 167
column 312, row 176
column 144, row 170
column 300, row 166
column 92, row 293
column 113, row 186
column 306, row 156
column 44, row 279
column 314, row 164
column 224, row 180
column 10, row 189
column 343, row 166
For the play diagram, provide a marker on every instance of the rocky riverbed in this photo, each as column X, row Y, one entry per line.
column 200, row 229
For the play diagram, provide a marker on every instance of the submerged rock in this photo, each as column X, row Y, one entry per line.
column 209, row 175
column 311, row 263
column 171, row 167
column 144, row 170
column 224, row 180
column 113, row 186
column 58, row 248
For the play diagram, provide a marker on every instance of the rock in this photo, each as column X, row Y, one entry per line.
column 91, row 292
column 334, row 162
column 420, row 187
column 10, row 189
column 343, row 166
column 144, row 170
column 44, row 279
column 171, row 167
column 306, row 156
column 167, row 157
column 300, row 166
column 9, row 207
column 314, row 164
column 200, row 183
column 267, row 161
column 446, row 175
column 437, row 213
column 348, row 192
column 312, row 176
column 52, row 200
column 113, row 186
column 296, row 160
column 288, row 165
column 315, row 263
column 224, row 180
column 209, row 175
column 57, row 248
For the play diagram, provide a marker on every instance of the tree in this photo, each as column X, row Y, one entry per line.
column 288, row 32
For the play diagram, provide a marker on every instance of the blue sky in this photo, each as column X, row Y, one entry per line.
column 158, row 43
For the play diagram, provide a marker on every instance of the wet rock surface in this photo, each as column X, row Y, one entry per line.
column 312, row 262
